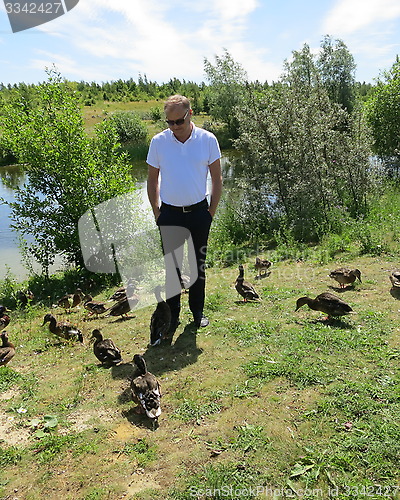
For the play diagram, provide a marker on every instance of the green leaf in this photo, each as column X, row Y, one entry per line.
column 35, row 422
column 50, row 421
column 40, row 434
column 299, row 469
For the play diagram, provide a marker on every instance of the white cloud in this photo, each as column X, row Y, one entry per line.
column 370, row 31
column 349, row 16
column 67, row 66
column 232, row 11
column 144, row 37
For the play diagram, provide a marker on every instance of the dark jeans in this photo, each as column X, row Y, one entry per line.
column 198, row 223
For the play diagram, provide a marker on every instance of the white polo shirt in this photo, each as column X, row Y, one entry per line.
column 183, row 166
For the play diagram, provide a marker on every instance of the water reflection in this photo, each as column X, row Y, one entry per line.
column 12, row 176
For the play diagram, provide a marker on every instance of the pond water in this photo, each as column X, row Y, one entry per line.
column 11, row 259
column 11, row 177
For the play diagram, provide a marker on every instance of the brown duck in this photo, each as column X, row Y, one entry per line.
column 146, row 390
column 160, row 319
column 7, row 350
column 262, row 265
column 105, row 350
column 244, row 288
column 121, row 308
column 71, row 300
column 94, row 306
column 125, row 292
column 24, row 297
column 345, row 276
column 63, row 329
column 327, row 303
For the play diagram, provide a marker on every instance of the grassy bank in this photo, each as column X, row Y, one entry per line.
column 264, row 397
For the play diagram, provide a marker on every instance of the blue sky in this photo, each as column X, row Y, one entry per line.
column 104, row 40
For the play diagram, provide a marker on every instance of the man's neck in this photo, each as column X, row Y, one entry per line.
column 183, row 138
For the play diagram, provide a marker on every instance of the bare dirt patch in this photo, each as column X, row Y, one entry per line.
column 10, row 433
column 82, row 420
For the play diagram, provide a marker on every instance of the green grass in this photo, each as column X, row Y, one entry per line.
column 264, row 396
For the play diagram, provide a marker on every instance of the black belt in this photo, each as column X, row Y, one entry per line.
column 188, row 208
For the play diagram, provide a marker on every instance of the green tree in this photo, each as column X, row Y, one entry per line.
column 226, row 78
column 303, row 170
column 383, row 114
column 69, row 172
column 301, row 71
column 336, row 71
column 333, row 68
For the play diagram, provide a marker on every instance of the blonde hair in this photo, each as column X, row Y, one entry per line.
column 176, row 100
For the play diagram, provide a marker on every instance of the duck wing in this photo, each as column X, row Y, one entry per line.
column 95, row 307
column 120, row 308
column 341, row 275
column 246, row 290
column 68, row 331
column 147, row 392
column 119, row 294
column 107, row 352
column 332, row 305
column 6, row 354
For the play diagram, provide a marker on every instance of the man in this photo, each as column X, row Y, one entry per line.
column 179, row 160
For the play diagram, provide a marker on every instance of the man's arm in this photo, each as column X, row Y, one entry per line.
column 216, row 185
column 153, row 190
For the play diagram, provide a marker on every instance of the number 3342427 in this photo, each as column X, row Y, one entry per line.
column 34, row 8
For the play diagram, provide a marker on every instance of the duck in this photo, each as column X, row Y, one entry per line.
column 24, row 297
column 160, row 319
column 125, row 292
column 94, row 306
column 119, row 294
column 395, row 279
column 62, row 329
column 327, row 303
column 71, row 300
column 146, row 390
column 105, row 350
column 121, row 308
column 244, row 288
column 4, row 318
column 262, row 265
column 345, row 276
column 7, row 350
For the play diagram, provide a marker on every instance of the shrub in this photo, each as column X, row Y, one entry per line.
column 129, row 126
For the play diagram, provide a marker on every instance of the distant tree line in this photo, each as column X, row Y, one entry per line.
column 120, row 90
column 143, row 89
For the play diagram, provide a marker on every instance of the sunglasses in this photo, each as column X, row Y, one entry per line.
column 179, row 121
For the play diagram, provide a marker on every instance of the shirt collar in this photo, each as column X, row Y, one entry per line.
column 191, row 136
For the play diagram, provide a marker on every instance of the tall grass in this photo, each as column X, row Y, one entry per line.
column 376, row 234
